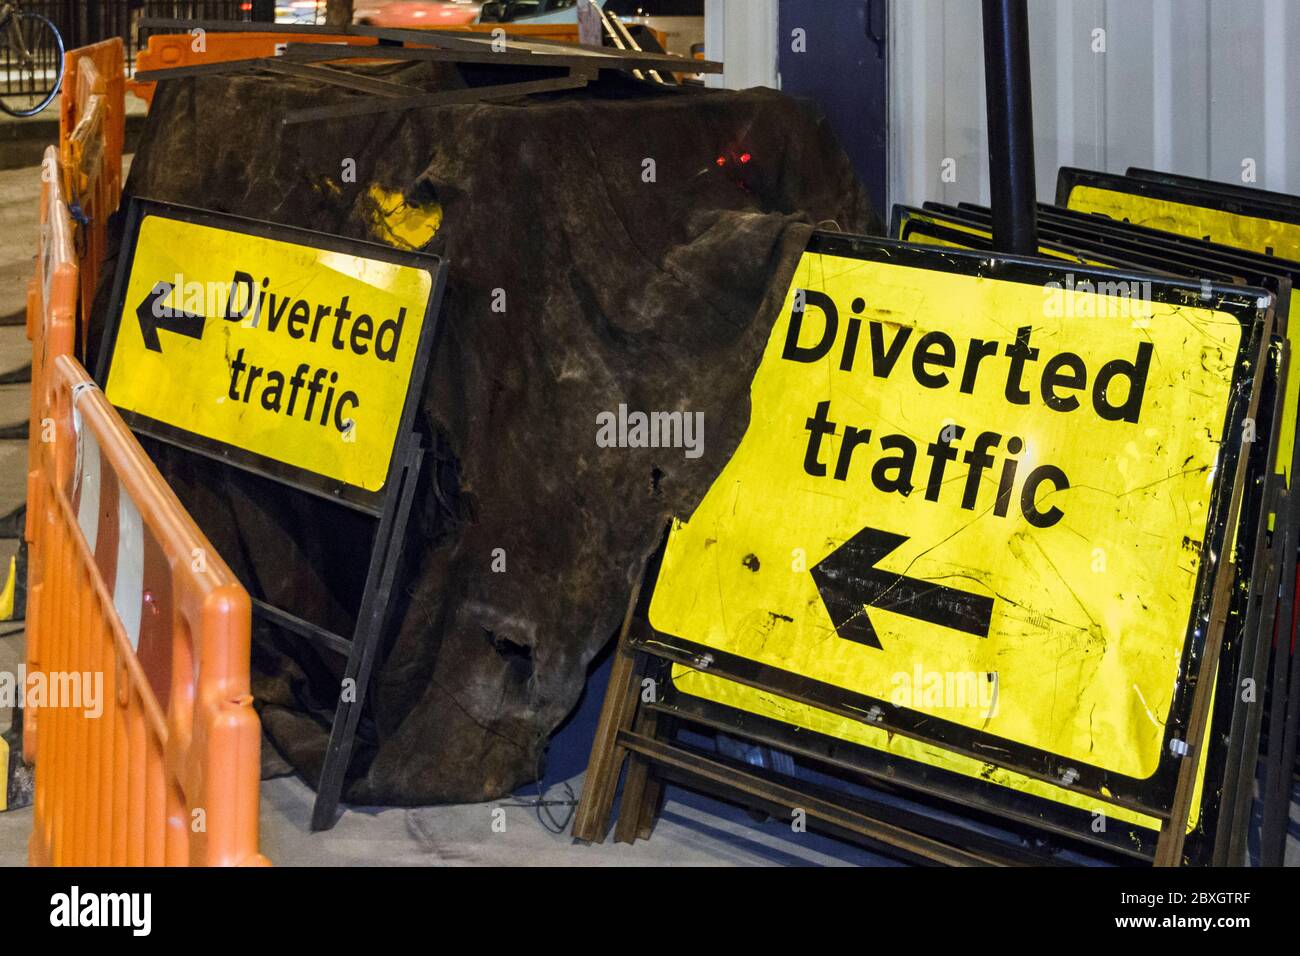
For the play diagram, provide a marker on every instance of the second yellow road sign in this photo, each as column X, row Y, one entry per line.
column 983, row 510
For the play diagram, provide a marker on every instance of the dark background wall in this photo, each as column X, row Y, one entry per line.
column 844, row 70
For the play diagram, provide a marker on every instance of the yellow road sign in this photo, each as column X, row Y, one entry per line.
column 982, row 511
column 295, row 348
column 1195, row 214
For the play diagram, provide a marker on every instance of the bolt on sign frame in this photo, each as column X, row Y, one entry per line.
column 1271, row 610
column 1164, row 794
column 377, row 480
column 1263, row 228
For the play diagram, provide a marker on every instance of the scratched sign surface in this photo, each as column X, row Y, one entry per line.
column 984, row 502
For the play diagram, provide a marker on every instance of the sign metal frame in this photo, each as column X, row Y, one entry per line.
column 1152, row 795
column 1258, row 207
column 390, row 505
column 628, row 725
column 1280, row 276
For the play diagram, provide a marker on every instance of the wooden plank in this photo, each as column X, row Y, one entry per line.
column 614, row 61
column 591, row 819
column 335, row 77
column 632, row 809
column 477, row 94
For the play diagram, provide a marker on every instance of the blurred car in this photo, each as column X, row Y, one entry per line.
column 680, row 21
column 416, row 13
column 300, row 12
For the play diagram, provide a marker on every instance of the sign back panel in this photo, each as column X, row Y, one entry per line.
column 957, row 484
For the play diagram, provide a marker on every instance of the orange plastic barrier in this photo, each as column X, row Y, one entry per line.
column 165, row 50
column 138, row 714
column 51, row 313
column 147, row 745
column 92, row 131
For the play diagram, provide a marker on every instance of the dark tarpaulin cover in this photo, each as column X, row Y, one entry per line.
column 619, row 287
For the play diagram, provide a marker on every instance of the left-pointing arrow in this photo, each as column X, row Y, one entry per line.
column 155, row 317
column 850, row 584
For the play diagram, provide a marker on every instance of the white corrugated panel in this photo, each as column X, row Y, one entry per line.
column 1189, row 86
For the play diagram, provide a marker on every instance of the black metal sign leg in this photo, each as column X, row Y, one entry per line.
column 365, row 641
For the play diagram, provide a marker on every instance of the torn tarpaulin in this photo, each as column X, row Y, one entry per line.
column 599, row 256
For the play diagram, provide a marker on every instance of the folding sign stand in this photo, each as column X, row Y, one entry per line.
column 645, row 704
column 360, row 648
column 645, row 708
column 1103, row 240
column 375, row 475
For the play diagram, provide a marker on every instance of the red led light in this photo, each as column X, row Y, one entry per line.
column 721, row 161
column 745, row 158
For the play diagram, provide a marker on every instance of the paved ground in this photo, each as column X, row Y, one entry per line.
column 693, row 830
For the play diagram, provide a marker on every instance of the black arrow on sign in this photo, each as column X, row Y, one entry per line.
column 850, row 582
column 154, row 316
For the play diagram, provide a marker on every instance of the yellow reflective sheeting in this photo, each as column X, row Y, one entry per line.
column 1265, row 236
column 809, row 718
column 315, row 375
column 1286, row 439
column 1090, row 577
column 394, row 220
column 7, row 595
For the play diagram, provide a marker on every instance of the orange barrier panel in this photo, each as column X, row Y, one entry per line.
column 556, row 32
column 165, row 50
column 147, row 745
column 138, row 713
column 92, row 131
column 51, row 313
column 543, row 32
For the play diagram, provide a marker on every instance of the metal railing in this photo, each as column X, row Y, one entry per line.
column 83, row 22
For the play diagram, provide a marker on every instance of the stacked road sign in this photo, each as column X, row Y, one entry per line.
column 1015, row 536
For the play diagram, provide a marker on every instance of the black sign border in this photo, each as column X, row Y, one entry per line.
column 1229, row 739
column 332, row 489
column 1254, row 207
column 1153, row 794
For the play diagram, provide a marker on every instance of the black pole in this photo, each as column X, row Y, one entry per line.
column 1011, row 126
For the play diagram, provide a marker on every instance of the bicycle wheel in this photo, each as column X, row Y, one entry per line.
column 30, row 72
